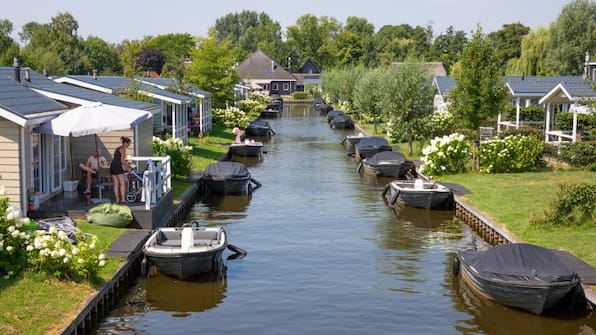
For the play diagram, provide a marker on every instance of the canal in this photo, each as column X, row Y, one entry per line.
column 326, row 255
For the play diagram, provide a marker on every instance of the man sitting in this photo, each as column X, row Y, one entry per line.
column 92, row 166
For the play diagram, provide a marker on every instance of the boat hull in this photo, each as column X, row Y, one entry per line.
column 247, row 150
column 432, row 196
column 185, row 252
column 227, row 185
column 530, row 297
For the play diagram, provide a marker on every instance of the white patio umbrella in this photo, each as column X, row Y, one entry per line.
column 94, row 118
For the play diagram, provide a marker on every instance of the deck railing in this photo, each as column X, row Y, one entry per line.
column 156, row 177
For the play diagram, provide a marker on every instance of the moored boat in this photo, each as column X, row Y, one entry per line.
column 333, row 113
column 247, row 148
column 227, row 178
column 270, row 113
column 369, row 146
column 518, row 275
column 388, row 164
column 351, row 140
column 259, row 128
column 341, row 122
column 423, row 194
column 184, row 252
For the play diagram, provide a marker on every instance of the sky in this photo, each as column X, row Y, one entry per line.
column 118, row 20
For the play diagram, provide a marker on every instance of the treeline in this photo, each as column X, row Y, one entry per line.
column 57, row 48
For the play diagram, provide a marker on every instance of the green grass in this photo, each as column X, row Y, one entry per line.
column 512, row 199
column 210, row 148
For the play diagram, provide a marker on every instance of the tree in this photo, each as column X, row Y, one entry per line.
column 369, row 93
column 176, row 50
column 532, row 59
column 447, row 47
column 396, row 43
column 150, row 59
column 128, row 51
column 99, row 55
column 314, row 38
column 409, row 100
column 572, row 35
column 7, row 44
column 507, row 41
column 364, row 32
column 212, row 69
column 480, row 91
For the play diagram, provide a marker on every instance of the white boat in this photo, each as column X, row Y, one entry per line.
column 248, row 148
column 423, row 194
column 184, row 252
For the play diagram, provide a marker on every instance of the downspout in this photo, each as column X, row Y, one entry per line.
column 517, row 113
column 24, row 168
column 547, row 121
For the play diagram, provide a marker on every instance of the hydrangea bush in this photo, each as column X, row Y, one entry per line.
column 446, row 155
column 440, row 123
column 229, row 117
column 250, row 106
column 22, row 247
column 179, row 153
column 514, row 153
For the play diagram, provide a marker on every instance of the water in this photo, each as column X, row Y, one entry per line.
column 326, row 255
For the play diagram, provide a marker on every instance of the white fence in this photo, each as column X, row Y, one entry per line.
column 156, row 174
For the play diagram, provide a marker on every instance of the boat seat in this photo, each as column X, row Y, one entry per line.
column 169, row 238
column 202, row 237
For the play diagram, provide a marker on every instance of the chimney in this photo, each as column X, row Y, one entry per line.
column 94, row 74
column 17, row 69
column 27, row 74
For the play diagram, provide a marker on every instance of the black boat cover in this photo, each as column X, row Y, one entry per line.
column 258, row 123
column 386, row 156
column 333, row 113
column 373, row 141
column 342, row 118
column 228, row 169
column 325, row 108
column 519, row 262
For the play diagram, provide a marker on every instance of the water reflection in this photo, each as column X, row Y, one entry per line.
column 183, row 297
column 222, row 207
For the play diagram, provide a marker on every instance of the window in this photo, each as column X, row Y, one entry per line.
column 274, row 87
column 286, row 87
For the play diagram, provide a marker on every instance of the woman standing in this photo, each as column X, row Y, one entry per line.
column 117, row 168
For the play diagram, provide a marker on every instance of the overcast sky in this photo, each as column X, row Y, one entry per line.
column 117, row 20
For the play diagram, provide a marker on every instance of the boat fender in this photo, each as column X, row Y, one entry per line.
column 394, row 198
column 145, row 267
column 385, row 190
column 456, row 264
column 359, row 167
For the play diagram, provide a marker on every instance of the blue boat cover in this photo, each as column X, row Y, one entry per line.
column 373, row 141
column 519, row 262
column 227, row 169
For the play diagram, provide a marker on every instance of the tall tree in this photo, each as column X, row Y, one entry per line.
column 150, row 59
column 396, row 43
column 99, row 55
column 409, row 100
column 480, row 91
column 364, row 31
column 176, row 49
column 447, row 47
column 572, row 35
column 532, row 59
column 507, row 41
column 7, row 45
column 128, row 51
column 314, row 39
column 212, row 69
column 369, row 93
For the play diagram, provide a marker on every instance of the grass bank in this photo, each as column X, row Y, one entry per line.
column 511, row 199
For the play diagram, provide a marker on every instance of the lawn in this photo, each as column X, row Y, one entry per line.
column 511, row 199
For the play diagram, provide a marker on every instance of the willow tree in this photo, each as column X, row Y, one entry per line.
column 409, row 100
column 532, row 60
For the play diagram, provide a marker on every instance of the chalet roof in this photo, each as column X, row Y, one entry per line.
column 436, row 68
column 536, row 86
column 309, row 67
column 444, row 84
column 260, row 67
column 118, row 84
column 22, row 102
column 165, row 83
column 569, row 92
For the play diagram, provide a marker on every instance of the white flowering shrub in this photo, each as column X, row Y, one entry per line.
column 180, row 155
column 53, row 254
column 251, row 106
column 446, row 155
column 229, row 117
column 14, row 237
column 514, row 153
column 440, row 123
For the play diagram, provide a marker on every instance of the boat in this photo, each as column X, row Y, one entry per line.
column 259, row 128
column 351, row 140
column 269, row 113
column 333, row 113
column 419, row 193
column 518, row 275
column 317, row 102
column 369, row 146
column 388, row 164
column 186, row 251
column 341, row 122
column 325, row 108
column 247, row 148
column 227, row 178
